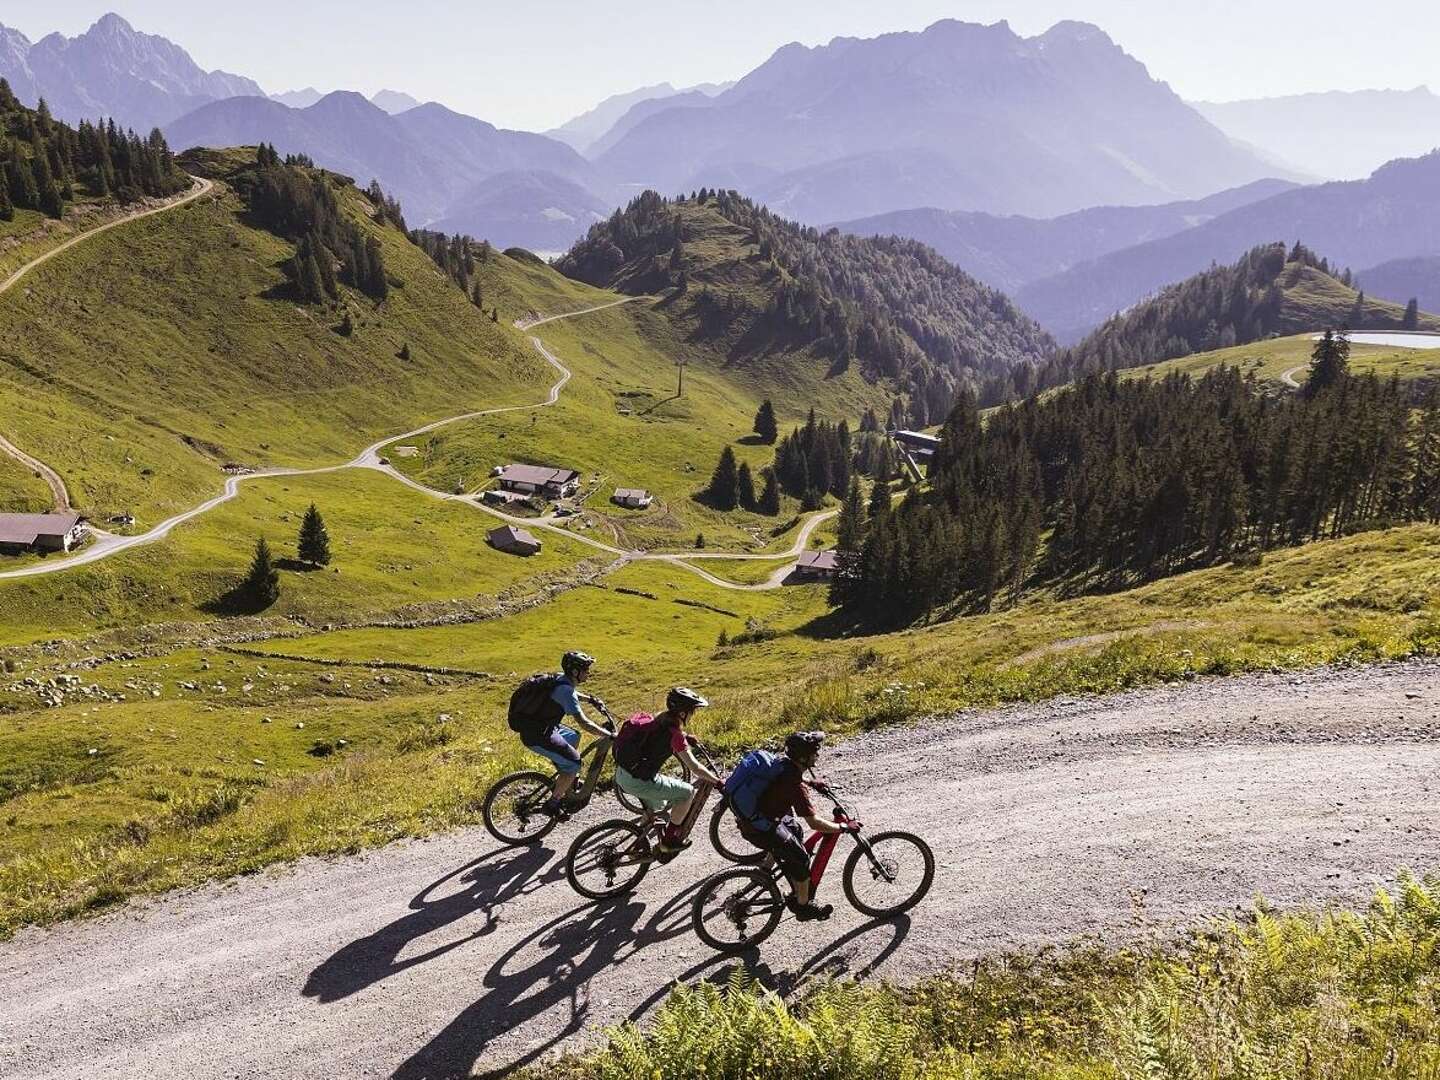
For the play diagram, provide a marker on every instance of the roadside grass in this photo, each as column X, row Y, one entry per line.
column 522, row 288
column 21, row 491
column 395, row 551
column 68, row 845
column 620, row 423
column 1303, row 994
column 30, row 233
column 143, row 360
column 1269, row 360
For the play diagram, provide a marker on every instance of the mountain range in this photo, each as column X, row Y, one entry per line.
column 1393, row 214
column 582, row 132
column 958, row 116
column 1337, row 135
column 112, row 70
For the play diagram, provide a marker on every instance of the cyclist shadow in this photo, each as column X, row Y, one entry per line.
column 548, row 972
column 493, row 879
column 834, row 961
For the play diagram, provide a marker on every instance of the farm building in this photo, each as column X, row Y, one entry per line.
column 816, row 564
column 544, row 480
column 634, row 498
column 513, row 541
column 917, row 442
column 40, row 532
column 496, row 497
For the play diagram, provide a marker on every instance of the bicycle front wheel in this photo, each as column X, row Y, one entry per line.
column 888, row 873
column 608, row 859
column 512, row 808
column 726, row 837
column 737, row 910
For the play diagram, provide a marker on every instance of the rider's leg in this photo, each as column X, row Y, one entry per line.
column 560, row 746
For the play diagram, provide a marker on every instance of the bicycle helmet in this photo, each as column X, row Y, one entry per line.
column 574, row 661
column 683, row 699
column 804, row 743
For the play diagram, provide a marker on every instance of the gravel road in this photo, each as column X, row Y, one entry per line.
column 1131, row 814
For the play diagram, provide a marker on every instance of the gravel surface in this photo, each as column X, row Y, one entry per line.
column 1133, row 814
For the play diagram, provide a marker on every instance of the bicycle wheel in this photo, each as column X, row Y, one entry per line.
column 737, row 909
column 512, row 808
column 608, row 859
column 674, row 767
column 888, row 873
column 727, row 840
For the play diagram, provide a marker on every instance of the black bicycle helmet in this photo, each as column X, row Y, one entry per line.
column 574, row 661
column 804, row 743
column 683, row 699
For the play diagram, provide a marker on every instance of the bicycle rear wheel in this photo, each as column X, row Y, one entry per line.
column 737, row 909
column 608, row 859
column 888, row 873
column 674, row 767
column 726, row 837
column 512, row 811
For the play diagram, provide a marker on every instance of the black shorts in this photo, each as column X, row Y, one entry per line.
column 787, row 843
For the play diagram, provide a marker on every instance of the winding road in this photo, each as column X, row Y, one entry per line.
column 1118, row 817
column 105, row 544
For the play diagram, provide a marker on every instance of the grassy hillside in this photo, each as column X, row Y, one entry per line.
column 174, row 793
column 620, row 423
column 1271, row 359
column 143, row 360
column 1269, row 292
column 21, row 491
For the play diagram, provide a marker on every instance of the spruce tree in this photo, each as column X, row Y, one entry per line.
column 1329, row 362
column 850, row 542
column 769, row 501
column 745, row 487
column 765, row 425
column 1411, row 319
column 314, row 543
column 261, row 586
column 7, row 208
column 723, row 491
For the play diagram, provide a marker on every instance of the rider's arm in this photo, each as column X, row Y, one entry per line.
column 692, row 763
column 568, row 699
column 806, row 809
column 820, row 825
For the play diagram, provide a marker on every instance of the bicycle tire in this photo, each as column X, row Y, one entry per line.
column 770, row 903
column 586, row 839
column 726, row 839
column 858, row 857
column 493, row 814
column 674, row 767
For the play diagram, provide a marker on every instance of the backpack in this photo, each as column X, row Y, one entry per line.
column 531, row 706
column 744, row 787
column 642, row 746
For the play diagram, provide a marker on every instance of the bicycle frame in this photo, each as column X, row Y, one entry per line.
column 821, row 846
column 597, row 752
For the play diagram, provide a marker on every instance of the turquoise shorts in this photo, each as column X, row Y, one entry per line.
column 659, row 794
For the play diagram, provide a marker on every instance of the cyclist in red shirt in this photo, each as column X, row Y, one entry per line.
column 786, row 802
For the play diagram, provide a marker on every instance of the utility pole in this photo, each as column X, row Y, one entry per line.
column 680, row 371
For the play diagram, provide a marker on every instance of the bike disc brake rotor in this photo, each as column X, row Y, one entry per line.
column 886, row 870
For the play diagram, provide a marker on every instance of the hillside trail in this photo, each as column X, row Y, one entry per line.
column 105, row 544
column 1124, row 817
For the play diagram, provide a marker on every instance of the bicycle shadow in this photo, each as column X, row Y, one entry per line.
column 573, row 949
column 491, row 880
column 832, row 961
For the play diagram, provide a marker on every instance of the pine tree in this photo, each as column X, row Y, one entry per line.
column 1411, row 319
column 347, row 326
column 7, row 208
column 723, row 491
column 849, row 545
column 261, row 586
column 769, row 501
column 1329, row 362
column 314, row 542
column 404, row 353
column 765, row 425
column 745, row 487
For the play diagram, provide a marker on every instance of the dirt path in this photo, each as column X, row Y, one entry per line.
column 58, row 491
column 1050, row 821
column 1288, row 376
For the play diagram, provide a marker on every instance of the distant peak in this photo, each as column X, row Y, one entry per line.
column 1074, row 30
column 111, row 24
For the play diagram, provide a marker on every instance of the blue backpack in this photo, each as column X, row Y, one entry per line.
column 744, row 787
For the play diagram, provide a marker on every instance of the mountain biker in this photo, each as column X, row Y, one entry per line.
column 641, row 749
column 536, row 712
column 783, row 801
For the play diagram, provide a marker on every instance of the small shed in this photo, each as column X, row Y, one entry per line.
column 817, row 564
column 513, row 540
column 40, row 532
column 544, row 480
column 497, row 497
column 634, row 498
column 917, row 442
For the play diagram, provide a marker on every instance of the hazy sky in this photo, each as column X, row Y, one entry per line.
column 534, row 63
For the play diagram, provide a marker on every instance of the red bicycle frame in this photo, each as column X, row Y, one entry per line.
column 820, row 846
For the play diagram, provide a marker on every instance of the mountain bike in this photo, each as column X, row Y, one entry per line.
column 613, row 857
column 512, row 810
column 886, row 873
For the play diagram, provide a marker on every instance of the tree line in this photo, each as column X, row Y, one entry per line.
column 1136, row 479
column 44, row 163
column 458, row 256
column 892, row 307
column 294, row 200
